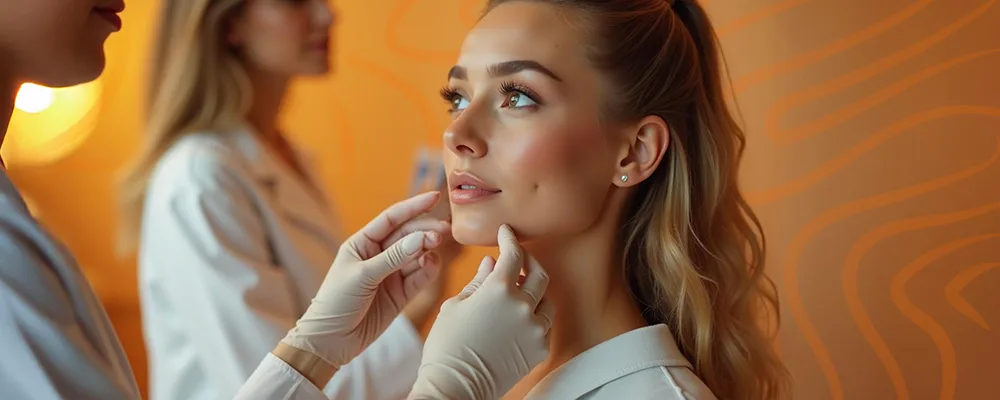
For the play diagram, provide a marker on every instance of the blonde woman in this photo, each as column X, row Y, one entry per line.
column 234, row 234
column 598, row 130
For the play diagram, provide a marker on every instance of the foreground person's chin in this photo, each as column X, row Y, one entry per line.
column 68, row 74
column 474, row 236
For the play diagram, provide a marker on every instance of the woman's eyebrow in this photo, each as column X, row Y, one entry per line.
column 504, row 69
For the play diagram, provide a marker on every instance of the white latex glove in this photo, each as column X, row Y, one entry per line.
column 369, row 284
column 492, row 334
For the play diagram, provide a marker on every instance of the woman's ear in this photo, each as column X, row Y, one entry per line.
column 646, row 145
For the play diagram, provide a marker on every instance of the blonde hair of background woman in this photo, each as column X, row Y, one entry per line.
column 693, row 248
column 196, row 83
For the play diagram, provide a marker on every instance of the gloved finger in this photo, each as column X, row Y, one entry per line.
column 545, row 314
column 405, row 251
column 485, row 267
column 366, row 242
column 511, row 258
column 535, row 282
column 429, row 270
column 419, row 224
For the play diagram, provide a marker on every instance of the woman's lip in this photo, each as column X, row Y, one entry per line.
column 111, row 16
column 459, row 196
column 457, row 179
column 323, row 45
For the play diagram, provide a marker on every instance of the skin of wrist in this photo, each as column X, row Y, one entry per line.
column 310, row 365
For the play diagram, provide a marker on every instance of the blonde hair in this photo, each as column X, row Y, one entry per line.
column 196, row 82
column 693, row 248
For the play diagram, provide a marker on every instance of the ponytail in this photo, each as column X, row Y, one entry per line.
column 728, row 243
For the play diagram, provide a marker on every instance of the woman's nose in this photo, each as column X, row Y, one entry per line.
column 464, row 141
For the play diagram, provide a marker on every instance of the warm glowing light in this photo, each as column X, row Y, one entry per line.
column 33, row 98
column 50, row 123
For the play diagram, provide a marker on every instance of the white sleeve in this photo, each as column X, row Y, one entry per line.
column 386, row 370
column 205, row 250
column 275, row 380
column 44, row 351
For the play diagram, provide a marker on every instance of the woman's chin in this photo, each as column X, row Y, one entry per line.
column 474, row 236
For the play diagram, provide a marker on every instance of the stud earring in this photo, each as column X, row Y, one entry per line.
column 624, row 178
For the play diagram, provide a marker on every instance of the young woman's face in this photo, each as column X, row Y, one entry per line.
column 526, row 136
column 56, row 42
column 290, row 37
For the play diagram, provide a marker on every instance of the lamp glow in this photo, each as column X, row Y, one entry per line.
column 49, row 123
column 33, row 99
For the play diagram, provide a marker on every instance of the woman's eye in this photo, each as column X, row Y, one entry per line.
column 517, row 100
column 459, row 103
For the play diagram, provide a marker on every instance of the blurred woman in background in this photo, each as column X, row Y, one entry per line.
column 233, row 233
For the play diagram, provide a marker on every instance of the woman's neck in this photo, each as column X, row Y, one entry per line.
column 268, row 94
column 587, row 284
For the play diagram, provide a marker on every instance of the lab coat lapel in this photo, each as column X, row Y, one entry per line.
column 96, row 319
column 88, row 309
column 625, row 354
column 300, row 201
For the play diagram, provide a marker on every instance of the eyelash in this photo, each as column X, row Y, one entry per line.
column 506, row 89
column 450, row 95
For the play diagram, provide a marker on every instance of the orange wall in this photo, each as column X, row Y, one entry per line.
column 872, row 161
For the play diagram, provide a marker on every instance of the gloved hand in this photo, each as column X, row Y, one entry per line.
column 370, row 282
column 492, row 334
column 425, row 305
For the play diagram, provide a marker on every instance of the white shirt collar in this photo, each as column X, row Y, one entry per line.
column 643, row 348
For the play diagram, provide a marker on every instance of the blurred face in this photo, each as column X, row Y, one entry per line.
column 290, row 37
column 56, row 42
column 526, row 146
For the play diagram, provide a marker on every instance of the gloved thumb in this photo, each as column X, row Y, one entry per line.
column 485, row 267
column 401, row 253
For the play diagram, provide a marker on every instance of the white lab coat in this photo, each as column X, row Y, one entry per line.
column 644, row 364
column 234, row 246
column 56, row 341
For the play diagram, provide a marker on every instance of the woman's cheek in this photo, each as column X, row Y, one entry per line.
column 545, row 153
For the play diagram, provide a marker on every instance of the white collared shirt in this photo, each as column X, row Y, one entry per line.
column 234, row 246
column 56, row 340
column 644, row 364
